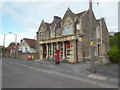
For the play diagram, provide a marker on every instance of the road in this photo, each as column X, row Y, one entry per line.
column 16, row 75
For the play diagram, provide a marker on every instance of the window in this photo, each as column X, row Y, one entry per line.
column 78, row 27
column 50, row 49
column 40, row 35
column 55, row 48
column 61, row 50
column 52, row 34
column 98, row 32
column 67, row 50
column 43, row 36
column 68, row 29
column 26, row 49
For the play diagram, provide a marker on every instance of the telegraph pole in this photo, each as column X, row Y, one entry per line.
column 92, row 59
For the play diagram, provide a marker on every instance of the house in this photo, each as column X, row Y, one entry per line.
column 13, row 48
column 70, row 35
column 27, row 45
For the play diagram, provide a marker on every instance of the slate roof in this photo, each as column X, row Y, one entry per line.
column 80, row 14
column 59, row 18
column 31, row 42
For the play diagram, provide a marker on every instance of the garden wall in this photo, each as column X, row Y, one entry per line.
column 19, row 55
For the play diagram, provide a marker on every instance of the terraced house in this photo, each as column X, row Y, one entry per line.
column 71, row 36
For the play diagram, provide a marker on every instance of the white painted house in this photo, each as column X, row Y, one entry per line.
column 27, row 45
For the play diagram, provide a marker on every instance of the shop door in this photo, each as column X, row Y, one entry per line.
column 44, row 51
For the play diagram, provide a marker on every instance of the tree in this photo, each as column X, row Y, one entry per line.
column 12, row 43
column 114, row 48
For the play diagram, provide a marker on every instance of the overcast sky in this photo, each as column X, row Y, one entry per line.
column 24, row 18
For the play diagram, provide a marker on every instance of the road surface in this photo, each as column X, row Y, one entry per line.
column 24, row 76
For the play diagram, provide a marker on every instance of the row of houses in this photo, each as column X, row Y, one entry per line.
column 26, row 46
column 70, row 35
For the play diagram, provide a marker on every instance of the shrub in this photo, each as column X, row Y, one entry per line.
column 114, row 55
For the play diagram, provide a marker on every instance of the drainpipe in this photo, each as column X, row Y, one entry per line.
column 101, row 37
column 76, row 51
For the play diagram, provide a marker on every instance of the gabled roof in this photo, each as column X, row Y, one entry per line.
column 57, row 20
column 13, row 47
column 81, row 13
column 30, row 42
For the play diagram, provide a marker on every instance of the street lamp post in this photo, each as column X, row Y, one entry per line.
column 3, row 47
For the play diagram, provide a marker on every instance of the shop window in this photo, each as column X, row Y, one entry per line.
column 55, row 48
column 61, row 50
column 68, row 50
column 50, row 49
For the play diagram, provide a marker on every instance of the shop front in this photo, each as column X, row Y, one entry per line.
column 65, row 45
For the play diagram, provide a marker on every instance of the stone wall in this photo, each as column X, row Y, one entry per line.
column 20, row 55
column 105, row 36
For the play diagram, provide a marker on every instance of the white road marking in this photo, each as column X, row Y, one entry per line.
column 97, row 77
column 37, row 60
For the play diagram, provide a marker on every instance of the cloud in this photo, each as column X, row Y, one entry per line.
column 57, row 0
column 30, row 14
column 18, row 18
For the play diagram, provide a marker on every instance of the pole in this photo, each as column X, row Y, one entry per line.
column 16, row 39
column 15, row 43
column 91, row 38
column 3, row 47
column 4, row 41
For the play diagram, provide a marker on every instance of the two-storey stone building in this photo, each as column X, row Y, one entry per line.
column 71, row 36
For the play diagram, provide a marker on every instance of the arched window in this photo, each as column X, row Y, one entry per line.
column 68, row 26
column 68, row 29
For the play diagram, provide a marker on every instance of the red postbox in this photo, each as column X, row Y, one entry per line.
column 57, row 56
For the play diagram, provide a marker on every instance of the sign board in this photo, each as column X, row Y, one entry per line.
column 91, row 43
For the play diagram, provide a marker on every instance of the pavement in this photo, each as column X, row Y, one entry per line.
column 106, row 75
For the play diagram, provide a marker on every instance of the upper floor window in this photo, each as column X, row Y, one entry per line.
column 98, row 33
column 43, row 35
column 68, row 29
column 52, row 32
column 26, row 49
